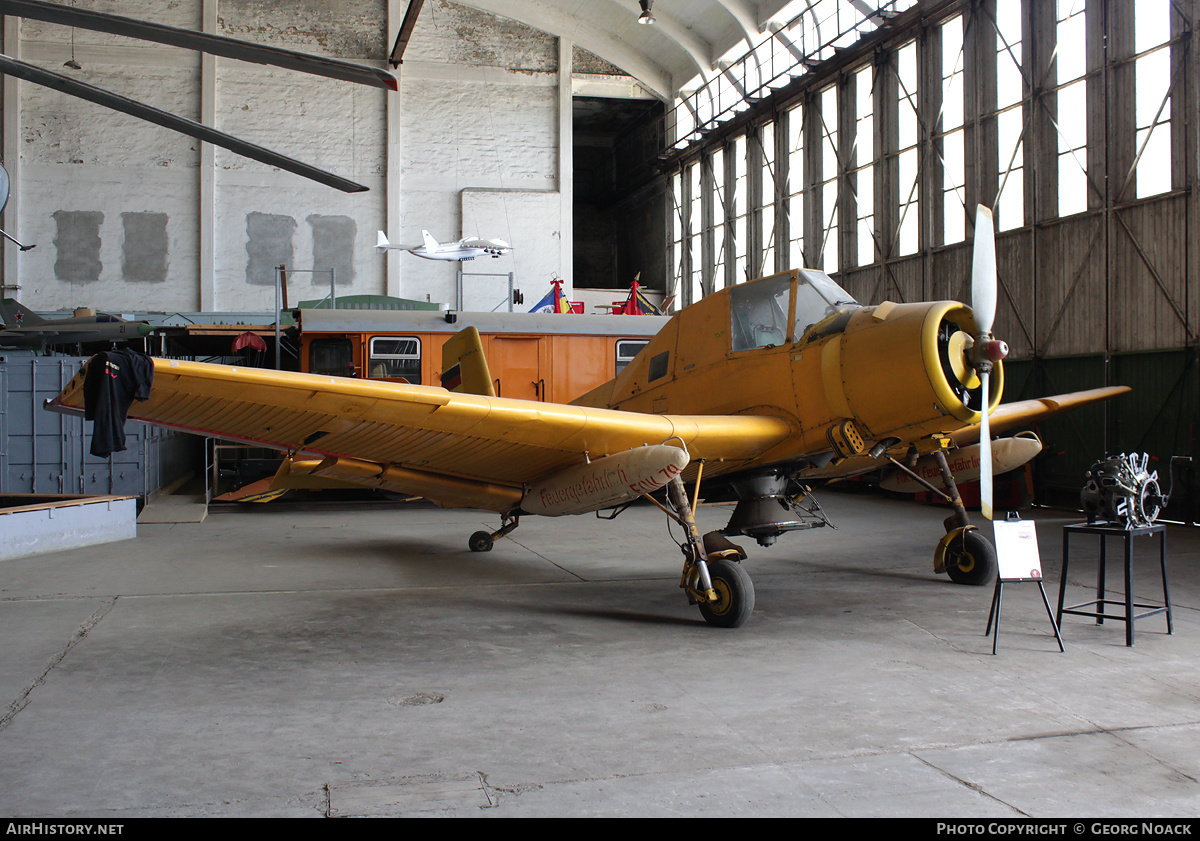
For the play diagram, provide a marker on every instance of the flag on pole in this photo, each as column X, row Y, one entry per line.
column 637, row 303
column 555, row 300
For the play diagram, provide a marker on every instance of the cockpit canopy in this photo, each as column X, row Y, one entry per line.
column 759, row 311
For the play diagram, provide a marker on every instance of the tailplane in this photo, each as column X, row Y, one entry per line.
column 464, row 366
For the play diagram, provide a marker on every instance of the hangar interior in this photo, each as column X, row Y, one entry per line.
column 724, row 141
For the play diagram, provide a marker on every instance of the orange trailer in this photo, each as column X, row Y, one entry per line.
column 534, row 356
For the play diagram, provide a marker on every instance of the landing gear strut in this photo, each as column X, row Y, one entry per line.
column 963, row 553
column 721, row 588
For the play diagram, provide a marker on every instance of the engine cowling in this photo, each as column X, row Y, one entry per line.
column 905, row 370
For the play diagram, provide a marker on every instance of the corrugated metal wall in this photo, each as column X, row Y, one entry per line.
column 1160, row 417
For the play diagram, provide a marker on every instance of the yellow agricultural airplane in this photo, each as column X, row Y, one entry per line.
column 754, row 390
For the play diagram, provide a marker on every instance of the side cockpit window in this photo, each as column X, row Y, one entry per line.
column 759, row 313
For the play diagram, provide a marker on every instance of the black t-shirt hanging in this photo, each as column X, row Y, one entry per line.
column 115, row 378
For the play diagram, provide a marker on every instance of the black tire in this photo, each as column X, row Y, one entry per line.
column 481, row 541
column 971, row 559
column 736, row 592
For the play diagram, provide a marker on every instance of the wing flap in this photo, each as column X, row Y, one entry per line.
column 449, row 491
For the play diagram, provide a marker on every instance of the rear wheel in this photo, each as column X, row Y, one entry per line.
column 735, row 595
column 970, row 559
column 481, row 541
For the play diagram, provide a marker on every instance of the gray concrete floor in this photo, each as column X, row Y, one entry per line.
column 364, row 662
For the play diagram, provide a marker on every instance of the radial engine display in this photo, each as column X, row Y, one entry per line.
column 1120, row 489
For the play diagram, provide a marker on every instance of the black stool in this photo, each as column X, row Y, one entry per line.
column 1105, row 530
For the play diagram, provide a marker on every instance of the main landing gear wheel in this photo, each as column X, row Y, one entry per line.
column 970, row 559
column 481, row 541
column 735, row 593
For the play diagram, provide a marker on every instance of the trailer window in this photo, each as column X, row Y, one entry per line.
column 334, row 357
column 627, row 349
column 395, row 357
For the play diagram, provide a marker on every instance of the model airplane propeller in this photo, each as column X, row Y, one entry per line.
column 187, row 39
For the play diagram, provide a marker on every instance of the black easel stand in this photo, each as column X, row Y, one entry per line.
column 998, row 595
column 994, row 615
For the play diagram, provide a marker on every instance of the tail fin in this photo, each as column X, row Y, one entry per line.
column 16, row 315
column 381, row 243
column 464, row 367
column 431, row 244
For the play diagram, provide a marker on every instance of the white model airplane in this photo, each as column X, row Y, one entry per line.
column 467, row 248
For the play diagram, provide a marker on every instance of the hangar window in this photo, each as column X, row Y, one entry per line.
column 863, row 159
column 1152, row 96
column 1010, row 118
column 720, row 208
column 678, row 226
column 696, row 233
column 828, row 188
column 794, row 207
column 764, row 204
column 1071, row 123
column 739, row 197
column 908, row 160
column 954, row 170
column 395, row 356
column 627, row 349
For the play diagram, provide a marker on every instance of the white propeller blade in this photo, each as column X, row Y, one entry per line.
column 983, row 270
column 985, row 452
column 983, row 304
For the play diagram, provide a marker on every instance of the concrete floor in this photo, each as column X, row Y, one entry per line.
column 364, row 662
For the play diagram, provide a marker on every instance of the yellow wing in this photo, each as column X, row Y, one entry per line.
column 456, row 449
column 1024, row 412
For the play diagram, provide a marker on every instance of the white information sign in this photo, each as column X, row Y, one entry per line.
column 1017, row 550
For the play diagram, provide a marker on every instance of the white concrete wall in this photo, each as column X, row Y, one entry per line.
column 480, row 141
column 117, row 206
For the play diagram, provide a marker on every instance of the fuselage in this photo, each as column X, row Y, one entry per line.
column 796, row 346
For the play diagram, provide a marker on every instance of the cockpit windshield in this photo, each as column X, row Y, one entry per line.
column 818, row 298
column 759, row 310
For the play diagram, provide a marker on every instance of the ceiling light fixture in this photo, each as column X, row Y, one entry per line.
column 72, row 63
column 645, row 16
